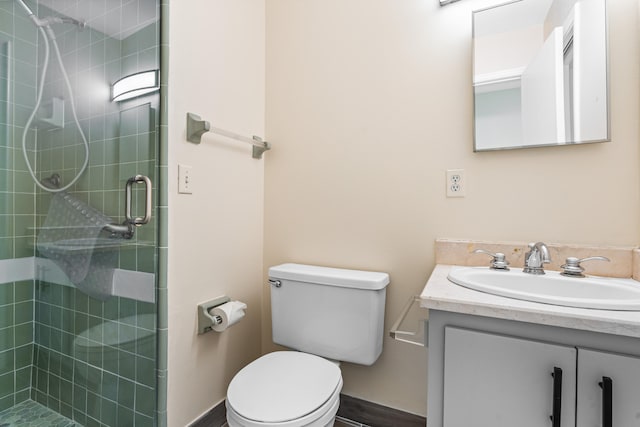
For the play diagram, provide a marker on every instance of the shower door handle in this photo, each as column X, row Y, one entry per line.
column 129, row 218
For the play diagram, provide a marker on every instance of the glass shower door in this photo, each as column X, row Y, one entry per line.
column 78, row 313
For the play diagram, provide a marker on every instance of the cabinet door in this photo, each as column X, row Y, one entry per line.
column 624, row 372
column 498, row 381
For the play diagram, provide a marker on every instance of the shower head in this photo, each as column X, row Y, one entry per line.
column 46, row 22
column 79, row 24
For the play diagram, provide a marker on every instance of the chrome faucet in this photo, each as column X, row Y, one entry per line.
column 535, row 259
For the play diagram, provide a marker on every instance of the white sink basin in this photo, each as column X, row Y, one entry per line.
column 602, row 293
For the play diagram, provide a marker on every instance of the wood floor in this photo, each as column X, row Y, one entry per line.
column 369, row 415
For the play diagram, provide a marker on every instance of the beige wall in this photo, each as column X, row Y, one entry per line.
column 368, row 103
column 215, row 235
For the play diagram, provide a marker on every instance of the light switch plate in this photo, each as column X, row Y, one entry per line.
column 185, row 179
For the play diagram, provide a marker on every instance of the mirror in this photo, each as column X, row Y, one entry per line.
column 540, row 74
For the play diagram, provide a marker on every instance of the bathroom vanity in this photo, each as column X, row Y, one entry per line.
column 498, row 361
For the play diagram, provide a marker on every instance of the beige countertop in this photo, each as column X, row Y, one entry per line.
column 441, row 294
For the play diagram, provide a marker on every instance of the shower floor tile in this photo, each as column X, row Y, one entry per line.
column 33, row 414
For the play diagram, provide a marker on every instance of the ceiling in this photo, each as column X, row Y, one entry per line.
column 512, row 16
column 114, row 18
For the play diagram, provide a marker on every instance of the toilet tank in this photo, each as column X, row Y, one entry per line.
column 329, row 312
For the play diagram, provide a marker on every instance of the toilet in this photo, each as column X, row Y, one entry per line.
column 325, row 316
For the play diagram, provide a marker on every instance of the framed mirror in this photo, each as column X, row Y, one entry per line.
column 540, row 74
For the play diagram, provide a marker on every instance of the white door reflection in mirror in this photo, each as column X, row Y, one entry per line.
column 540, row 74
column 542, row 86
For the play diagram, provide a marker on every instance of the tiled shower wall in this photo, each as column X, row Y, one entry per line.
column 16, row 342
column 93, row 361
column 122, row 136
column 18, row 59
column 108, row 347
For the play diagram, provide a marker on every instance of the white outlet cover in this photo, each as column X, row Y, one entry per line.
column 455, row 183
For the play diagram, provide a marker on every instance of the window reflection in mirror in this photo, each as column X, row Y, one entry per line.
column 540, row 74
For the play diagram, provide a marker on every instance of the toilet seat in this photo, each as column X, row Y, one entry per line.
column 285, row 388
column 323, row 417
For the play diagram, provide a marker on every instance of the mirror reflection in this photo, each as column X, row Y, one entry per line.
column 540, row 74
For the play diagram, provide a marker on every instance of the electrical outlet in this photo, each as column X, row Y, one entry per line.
column 185, row 179
column 456, row 184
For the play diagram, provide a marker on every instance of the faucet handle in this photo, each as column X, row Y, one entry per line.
column 499, row 261
column 572, row 267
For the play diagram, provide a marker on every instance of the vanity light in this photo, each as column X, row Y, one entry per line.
column 445, row 2
column 135, row 85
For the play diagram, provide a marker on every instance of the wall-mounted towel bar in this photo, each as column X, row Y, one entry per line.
column 412, row 315
column 196, row 127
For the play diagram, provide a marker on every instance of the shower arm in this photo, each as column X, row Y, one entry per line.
column 42, row 24
column 26, row 8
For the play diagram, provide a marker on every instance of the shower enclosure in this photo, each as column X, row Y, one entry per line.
column 78, row 212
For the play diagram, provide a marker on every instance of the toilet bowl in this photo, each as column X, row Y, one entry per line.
column 324, row 314
column 285, row 389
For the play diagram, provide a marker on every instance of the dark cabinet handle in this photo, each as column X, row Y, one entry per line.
column 557, row 397
column 607, row 401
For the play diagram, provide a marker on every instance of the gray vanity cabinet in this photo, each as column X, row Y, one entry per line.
column 595, row 369
column 503, row 381
column 498, row 381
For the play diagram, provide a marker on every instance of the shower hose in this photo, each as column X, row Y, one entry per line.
column 44, row 27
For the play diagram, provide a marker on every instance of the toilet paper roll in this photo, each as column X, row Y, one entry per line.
column 230, row 313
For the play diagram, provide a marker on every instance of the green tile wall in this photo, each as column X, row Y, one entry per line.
column 123, row 137
column 17, row 203
column 114, row 384
column 16, row 342
column 17, row 86
column 110, row 381
column 94, row 361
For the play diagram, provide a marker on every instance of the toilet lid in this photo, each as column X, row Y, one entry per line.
column 283, row 386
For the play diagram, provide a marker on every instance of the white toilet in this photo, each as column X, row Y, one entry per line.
column 323, row 313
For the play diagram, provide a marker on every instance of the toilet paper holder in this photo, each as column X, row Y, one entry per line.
column 206, row 321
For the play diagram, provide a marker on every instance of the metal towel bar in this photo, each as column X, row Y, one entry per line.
column 196, row 127
column 418, row 335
